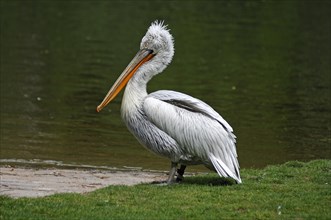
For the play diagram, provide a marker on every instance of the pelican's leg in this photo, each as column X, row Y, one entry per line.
column 180, row 173
column 171, row 178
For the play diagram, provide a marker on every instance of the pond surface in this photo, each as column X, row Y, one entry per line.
column 264, row 66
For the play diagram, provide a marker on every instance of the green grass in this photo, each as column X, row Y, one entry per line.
column 294, row 190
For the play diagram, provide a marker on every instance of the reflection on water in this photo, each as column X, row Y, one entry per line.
column 264, row 66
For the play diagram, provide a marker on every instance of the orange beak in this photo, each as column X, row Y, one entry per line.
column 141, row 57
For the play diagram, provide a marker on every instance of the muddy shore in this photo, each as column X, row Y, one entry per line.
column 37, row 182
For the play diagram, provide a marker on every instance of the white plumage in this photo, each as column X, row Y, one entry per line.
column 172, row 124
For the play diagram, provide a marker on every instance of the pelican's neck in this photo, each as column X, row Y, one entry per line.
column 136, row 89
column 134, row 94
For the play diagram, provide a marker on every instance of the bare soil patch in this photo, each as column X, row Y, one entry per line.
column 35, row 182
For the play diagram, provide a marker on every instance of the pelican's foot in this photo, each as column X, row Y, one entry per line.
column 171, row 179
column 164, row 183
column 160, row 183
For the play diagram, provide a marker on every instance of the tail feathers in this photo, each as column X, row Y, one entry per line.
column 223, row 170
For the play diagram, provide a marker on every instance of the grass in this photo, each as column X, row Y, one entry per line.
column 294, row 190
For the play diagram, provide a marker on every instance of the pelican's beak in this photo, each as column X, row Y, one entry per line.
column 141, row 57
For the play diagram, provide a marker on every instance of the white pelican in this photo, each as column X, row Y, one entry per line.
column 172, row 124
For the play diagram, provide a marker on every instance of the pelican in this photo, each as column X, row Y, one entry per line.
column 172, row 124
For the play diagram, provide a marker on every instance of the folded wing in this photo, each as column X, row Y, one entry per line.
column 201, row 132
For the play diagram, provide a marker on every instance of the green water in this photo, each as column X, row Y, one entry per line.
column 263, row 65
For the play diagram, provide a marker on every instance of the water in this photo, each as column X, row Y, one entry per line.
column 264, row 66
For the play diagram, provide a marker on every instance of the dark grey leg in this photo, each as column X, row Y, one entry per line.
column 180, row 173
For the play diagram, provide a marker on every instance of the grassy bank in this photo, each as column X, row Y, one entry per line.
column 292, row 190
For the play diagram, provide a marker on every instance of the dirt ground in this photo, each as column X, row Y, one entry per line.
column 35, row 182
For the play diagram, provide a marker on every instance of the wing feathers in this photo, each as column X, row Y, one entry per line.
column 190, row 103
column 223, row 170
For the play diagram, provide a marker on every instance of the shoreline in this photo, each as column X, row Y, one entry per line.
column 17, row 181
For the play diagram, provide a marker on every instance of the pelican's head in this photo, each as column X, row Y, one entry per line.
column 156, row 52
column 159, row 40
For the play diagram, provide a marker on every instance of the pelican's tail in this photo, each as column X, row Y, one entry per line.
column 223, row 170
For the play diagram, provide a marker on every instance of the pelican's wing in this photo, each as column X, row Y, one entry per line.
column 200, row 130
column 190, row 103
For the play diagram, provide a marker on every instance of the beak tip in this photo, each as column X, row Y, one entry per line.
column 99, row 109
